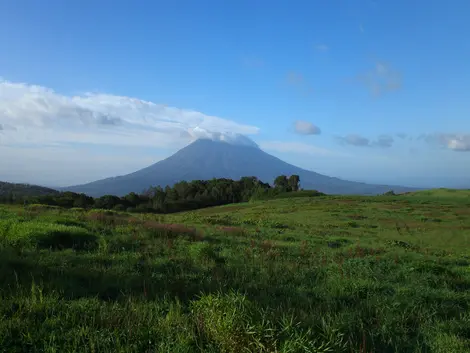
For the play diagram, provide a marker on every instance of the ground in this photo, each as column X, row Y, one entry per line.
column 312, row 274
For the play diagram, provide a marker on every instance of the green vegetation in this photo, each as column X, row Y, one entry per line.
column 440, row 193
column 182, row 196
column 306, row 274
column 15, row 193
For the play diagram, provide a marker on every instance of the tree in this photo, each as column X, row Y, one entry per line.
column 281, row 183
column 107, row 202
column 10, row 198
column 171, row 194
column 82, row 201
column 132, row 198
column 294, row 183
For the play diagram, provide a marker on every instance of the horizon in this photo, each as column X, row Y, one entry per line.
column 379, row 97
column 205, row 138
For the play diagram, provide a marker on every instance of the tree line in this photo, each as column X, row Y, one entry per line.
column 182, row 196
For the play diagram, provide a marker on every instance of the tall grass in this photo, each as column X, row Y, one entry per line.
column 299, row 275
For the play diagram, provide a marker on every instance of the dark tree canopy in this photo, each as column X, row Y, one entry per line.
column 281, row 183
column 182, row 196
column 294, row 183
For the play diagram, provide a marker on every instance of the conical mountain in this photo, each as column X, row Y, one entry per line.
column 206, row 159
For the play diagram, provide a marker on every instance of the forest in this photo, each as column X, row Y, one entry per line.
column 182, row 196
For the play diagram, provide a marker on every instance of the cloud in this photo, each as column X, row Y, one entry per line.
column 322, row 48
column 229, row 137
column 451, row 141
column 297, row 80
column 306, row 128
column 381, row 79
column 354, row 140
column 38, row 115
column 401, row 135
column 5, row 127
column 383, row 141
column 296, row 147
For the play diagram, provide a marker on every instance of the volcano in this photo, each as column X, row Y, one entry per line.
column 206, row 159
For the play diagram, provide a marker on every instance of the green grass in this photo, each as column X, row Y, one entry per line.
column 443, row 192
column 310, row 274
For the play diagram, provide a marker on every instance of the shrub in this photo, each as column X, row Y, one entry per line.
column 50, row 235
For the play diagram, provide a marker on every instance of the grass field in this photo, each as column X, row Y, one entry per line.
column 321, row 274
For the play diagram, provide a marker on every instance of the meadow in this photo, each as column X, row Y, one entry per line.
column 310, row 274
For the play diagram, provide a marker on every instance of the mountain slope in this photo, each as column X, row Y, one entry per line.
column 24, row 189
column 206, row 159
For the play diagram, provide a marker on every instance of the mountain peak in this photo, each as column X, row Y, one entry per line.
column 210, row 142
column 223, row 156
column 227, row 137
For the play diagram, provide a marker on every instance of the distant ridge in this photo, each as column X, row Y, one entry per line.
column 25, row 189
column 206, row 159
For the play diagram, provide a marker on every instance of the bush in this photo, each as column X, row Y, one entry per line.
column 120, row 208
column 51, row 236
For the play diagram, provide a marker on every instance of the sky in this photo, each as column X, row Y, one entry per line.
column 374, row 91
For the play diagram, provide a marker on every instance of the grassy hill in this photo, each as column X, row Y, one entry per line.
column 21, row 190
column 441, row 193
column 320, row 274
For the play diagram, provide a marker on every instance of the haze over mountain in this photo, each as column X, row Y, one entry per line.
column 223, row 158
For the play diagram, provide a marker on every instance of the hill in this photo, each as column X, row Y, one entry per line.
column 311, row 274
column 207, row 159
column 440, row 193
column 21, row 190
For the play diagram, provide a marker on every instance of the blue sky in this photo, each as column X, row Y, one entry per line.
column 379, row 90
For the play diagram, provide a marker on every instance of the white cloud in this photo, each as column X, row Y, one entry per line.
column 229, row 137
column 54, row 139
column 402, row 135
column 381, row 79
column 39, row 115
column 454, row 142
column 459, row 144
column 296, row 147
column 354, row 140
column 382, row 141
column 306, row 128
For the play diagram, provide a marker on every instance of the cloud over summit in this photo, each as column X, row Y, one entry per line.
column 40, row 115
column 229, row 137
